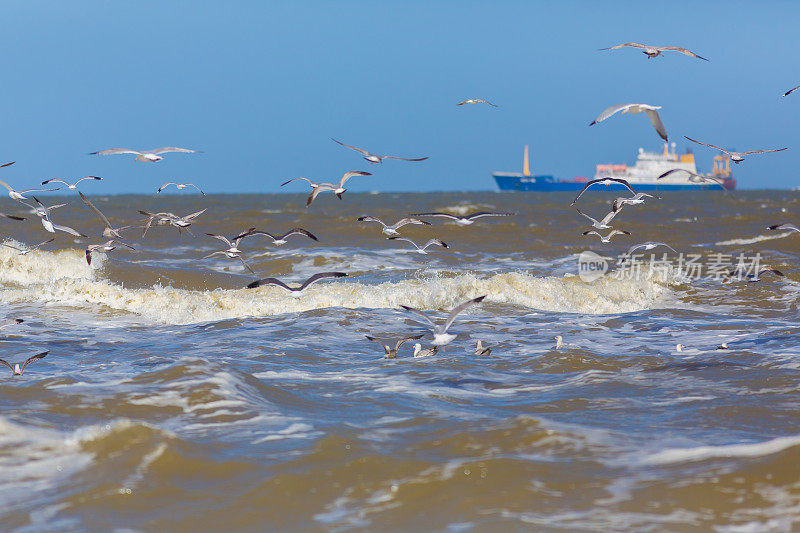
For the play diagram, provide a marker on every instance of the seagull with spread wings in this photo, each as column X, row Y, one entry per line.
column 337, row 189
column 389, row 352
column 296, row 292
column 18, row 368
column 650, row 110
column 145, row 155
column 475, row 101
column 373, row 158
column 440, row 335
column 653, row 52
column 70, row 186
column 179, row 186
column 278, row 240
column 736, row 157
column 465, row 220
column 392, row 230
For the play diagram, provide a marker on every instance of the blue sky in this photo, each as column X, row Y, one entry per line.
column 260, row 87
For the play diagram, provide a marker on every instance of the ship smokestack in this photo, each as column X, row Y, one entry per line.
column 526, row 168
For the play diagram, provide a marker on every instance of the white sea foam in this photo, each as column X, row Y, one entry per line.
column 753, row 240
column 700, row 453
column 64, row 278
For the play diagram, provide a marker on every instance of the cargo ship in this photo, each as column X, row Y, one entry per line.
column 642, row 176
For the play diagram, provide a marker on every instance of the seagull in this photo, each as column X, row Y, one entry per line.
column 372, row 158
column 44, row 214
column 602, row 224
column 427, row 352
column 440, row 335
column 18, row 195
column 146, row 155
column 296, row 292
column 637, row 198
column 480, row 349
column 736, row 157
column 654, row 51
column 392, row 230
column 180, row 186
column 607, row 238
column 109, row 232
column 172, row 219
column 790, row 91
column 647, row 246
column 27, row 250
column 465, row 220
column 233, row 250
column 791, row 227
column 475, row 101
column 278, row 240
column 105, row 247
column 18, row 369
column 559, row 342
column 753, row 277
column 389, row 352
column 652, row 114
column 604, row 181
column 70, row 186
column 337, row 189
column 421, row 249
column 693, row 177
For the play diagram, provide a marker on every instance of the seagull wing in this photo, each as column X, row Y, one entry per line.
column 85, row 178
column 97, row 211
column 7, row 164
column 787, row 93
column 6, row 185
column 67, row 229
column 246, row 265
column 611, row 214
column 655, row 118
column 610, row 111
column 706, row 144
column 487, row 214
column 585, row 215
column 437, row 242
column 196, row 214
column 671, row 171
column 113, row 151
column 369, row 218
column 298, row 231
column 404, row 158
column 268, row 281
column 30, row 360
column 319, row 276
column 352, row 147
column 404, row 239
column 167, row 184
column 683, row 51
column 168, row 149
column 447, row 215
column 420, row 313
column 406, row 339
column 634, row 45
column 196, row 187
column 348, row 175
column 758, row 151
column 221, row 237
column 405, row 221
column 295, row 179
column 51, row 180
column 386, row 348
column 776, row 226
column 4, row 362
column 459, row 308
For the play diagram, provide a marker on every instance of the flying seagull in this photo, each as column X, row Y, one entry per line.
column 17, row 369
column 44, row 213
column 373, row 158
column 109, row 231
column 145, row 155
column 465, row 220
column 392, row 230
column 654, row 51
column 753, row 277
column 427, row 352
column 790, row 227
column 736, row 157
column 179, row 186
column 646, row 246
column 652, row 114
column 389, row 352
column 278, row 240
column 421, row 249
column 600, row 224
column 636, row 199
column 440, row 335
column 27, row 250
column 693, row 177
column 475, row 101
column 296, row 292
column 172, row 219
column 604, row 181
column 70, row 186
column 480, row 349
column 790, row 91
column 607, row 238
column 105, row 247
column 18, row 195
column 337, row 189
column 233, row 251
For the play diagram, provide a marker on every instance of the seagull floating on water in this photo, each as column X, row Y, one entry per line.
column 654, row 51
column 389, row 352
column 480, row 349
column 736, row 157
column 652, row 114
column 607, row 238
column 421, row 249
column 179, row 186
column 278, row 240
column 145, row 155
column 337, row 189
column 373, row 158
column 392, row 230
column 427, row 352
column 465, row 220
column 70, row 186
column 18, row 369
column 440, row 335
column 296, row 292
column 559, row 342
column 603, row 181
column 475, row 101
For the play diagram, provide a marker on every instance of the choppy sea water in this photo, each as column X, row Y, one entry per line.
column 173, row 399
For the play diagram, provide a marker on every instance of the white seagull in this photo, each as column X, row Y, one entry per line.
column 179, row 186
column 427, row 352
column 17, row 369
column 736, row 157
column 26, row 251
column 440, row 335
column 233, row 251
column 105, row 247
column 790, row 227
column 603, row 181
column 44, row 213
column 601, row 224
column 389, row 352
column 278, row 240
column 70, row 186
column 647, row 246
column 465, row 220
column 753, row 277
column 109, row 231
column 296, row 292
column 654, row 51
column 145, row 155
column 392, row 230
column 607, row 238
column 636, row 199
column 421, row 249
column 480, row 349
column 373, row 158
column 475, row 101
column 18, row 195
column 693, row 177
column 337, row 189
column 652, row 114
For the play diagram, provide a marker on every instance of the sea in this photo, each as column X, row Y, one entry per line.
column 173, row 398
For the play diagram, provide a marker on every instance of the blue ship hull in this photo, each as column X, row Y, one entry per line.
column 549, row 184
